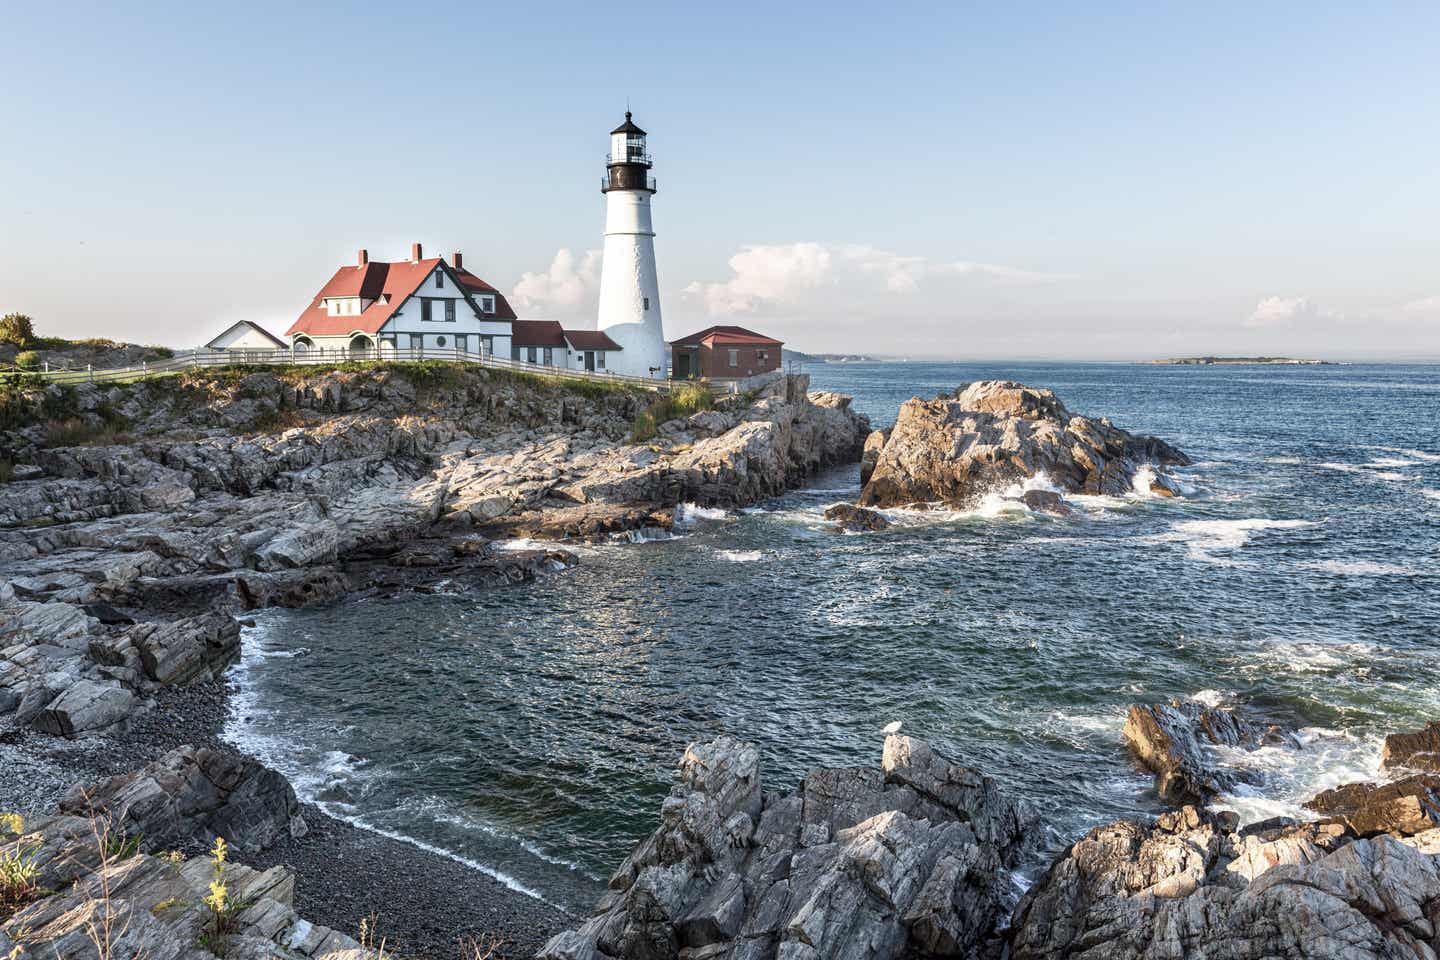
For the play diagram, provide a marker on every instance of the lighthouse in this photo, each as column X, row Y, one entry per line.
column 629, row 289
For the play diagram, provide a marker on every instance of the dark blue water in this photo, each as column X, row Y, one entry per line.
column 532, row 731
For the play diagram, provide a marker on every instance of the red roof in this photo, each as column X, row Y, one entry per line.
column 388, row 285
column 722, row 334
column 590, row 340
column 536, row 333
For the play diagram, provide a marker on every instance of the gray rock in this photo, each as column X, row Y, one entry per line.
column 1174, row 740
column 190, row 796
column 1403, row 808
column 1190, row 886
column 85, row 707
column 911, row 859
column 851, row 517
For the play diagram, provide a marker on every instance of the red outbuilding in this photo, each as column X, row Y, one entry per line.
column 723, row 353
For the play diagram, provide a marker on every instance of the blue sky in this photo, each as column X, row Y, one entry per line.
column 1056, row 181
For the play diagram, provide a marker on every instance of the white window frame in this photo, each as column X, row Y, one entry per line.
column 734, row 357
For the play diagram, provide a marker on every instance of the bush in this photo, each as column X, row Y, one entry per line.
column 27, row 359
column 17, row 328
column 682, row 402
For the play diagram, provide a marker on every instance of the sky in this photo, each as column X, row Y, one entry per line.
column 1067, row 181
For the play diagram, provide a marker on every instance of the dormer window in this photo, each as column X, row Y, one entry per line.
column 487, row 304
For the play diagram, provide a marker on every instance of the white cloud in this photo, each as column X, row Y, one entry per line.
column 784, row 274
column 568, row 284
column 1287, row 311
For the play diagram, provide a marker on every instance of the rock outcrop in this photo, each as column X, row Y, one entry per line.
column 1192, row 886
column 911, row 859
column 190, row 796
column 1402, row 808
column 996, row 433
column 851, row 517
column 234, row 492
column 1416, row 750
column 1175, row 741
column 101, row 901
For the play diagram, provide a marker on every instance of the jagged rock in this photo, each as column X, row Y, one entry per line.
column 154, row 907
column 1190, row 886
column 906, row 860
column 996, row 433
column 851, row 517
column 85, row 707
column 188, row 649
column 870, row 455
column 1403, row 808
column 191, row 795
column 1173, row 741
column 1418, row 750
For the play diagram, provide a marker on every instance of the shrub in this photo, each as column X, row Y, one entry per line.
column 17, row 328
column 19, row 878
column 682, row 401
column 27, row 359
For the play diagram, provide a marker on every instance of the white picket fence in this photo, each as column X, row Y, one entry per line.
column 197, row 359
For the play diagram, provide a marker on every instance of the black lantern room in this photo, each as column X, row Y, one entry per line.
column 628, row 165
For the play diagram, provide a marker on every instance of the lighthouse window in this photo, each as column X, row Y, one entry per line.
column 647, row 303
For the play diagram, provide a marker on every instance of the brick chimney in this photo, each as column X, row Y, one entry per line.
column 456, row 262
column 416, row 254
column 363, row 258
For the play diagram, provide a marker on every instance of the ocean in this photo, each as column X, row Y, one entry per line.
column 532, row 731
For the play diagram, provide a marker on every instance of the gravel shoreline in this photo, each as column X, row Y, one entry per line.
column 424, row 904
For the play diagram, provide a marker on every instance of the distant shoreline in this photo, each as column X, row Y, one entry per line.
column 1238, row 361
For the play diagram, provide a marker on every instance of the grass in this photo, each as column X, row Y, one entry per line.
column 684, row 400
column 19, row 878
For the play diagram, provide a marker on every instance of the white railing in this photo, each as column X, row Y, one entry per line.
column 199, row 359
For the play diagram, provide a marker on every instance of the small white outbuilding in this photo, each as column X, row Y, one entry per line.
column 247, row 335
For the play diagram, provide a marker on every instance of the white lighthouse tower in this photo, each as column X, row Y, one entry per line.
column 629, row 289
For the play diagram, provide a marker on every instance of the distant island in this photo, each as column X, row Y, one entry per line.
column 830, row 357
column 1205, row 361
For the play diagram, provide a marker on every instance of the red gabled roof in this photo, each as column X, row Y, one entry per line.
column 536, row 333
column 722, row 334
column 590, row 340
column 388, row 284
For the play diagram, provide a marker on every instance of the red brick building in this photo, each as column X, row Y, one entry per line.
column 723, row 353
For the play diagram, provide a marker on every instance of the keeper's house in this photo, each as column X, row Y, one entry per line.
column 546, row 343
column 397, row 308
column 723, row 353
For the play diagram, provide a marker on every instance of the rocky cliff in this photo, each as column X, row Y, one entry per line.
column 138, row 518
column 995, row 433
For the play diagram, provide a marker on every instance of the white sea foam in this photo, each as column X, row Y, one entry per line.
column 1410, row 452
column 1430, row 494
column 1209, row 698
column 1367, row 472
column 1393, row 462
column 688, row 513
column 742, row 556
column 649, row 535
column 1204, row 538
column 1360, row 568
column 1325, row 759
column 518, row 543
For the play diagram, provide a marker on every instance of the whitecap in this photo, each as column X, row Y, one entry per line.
column 1409, row 452
column 1204, row 537
column 1392, row 462
column 687, row 513
column 1209, row 698
column 1430, row 494
column 742, row 556
column 1360, row 568
column 1362, row 471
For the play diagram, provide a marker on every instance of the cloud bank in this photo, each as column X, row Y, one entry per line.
column 571, row 283
column 782, row 275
